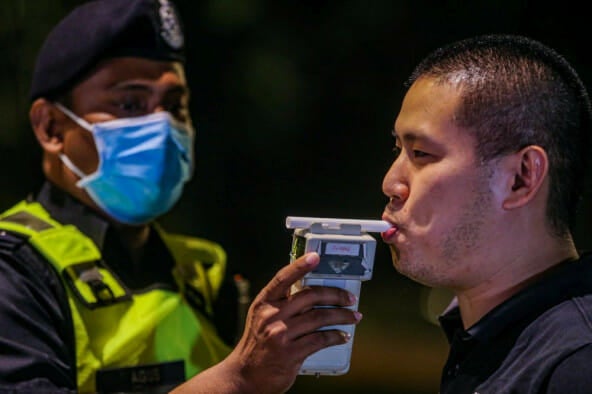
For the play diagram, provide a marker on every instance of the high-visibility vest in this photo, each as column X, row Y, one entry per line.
column 114, row 327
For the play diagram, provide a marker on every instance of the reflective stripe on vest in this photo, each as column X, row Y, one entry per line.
column 114, row 328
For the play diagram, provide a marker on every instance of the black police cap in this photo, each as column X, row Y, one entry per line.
column 102, row 29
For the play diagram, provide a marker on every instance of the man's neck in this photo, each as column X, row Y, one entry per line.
column 476, row 302
column 134, row 239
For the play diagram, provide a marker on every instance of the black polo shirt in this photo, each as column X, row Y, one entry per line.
column 538, row 341
column 37, row 349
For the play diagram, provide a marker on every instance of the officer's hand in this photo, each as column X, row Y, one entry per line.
column 281, row 329
column 280, row 332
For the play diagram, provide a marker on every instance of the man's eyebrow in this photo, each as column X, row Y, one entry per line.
column 142, row 87
column 131, row 86
column 408, row 137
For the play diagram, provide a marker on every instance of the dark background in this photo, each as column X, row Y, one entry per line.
column 294, row 102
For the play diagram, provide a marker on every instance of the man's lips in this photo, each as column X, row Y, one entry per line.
column 389, row 234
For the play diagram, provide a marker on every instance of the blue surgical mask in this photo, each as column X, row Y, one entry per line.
column 144, row 163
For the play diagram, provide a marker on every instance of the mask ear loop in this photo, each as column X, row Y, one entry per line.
column 68, row 163
column 81, row 122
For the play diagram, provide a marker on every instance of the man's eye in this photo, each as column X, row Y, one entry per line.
column 418, row 154
column 132, row 107
column 176, row 106
column 396, row 151
column 179, row 111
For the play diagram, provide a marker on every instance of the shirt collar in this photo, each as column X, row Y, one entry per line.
column 155, row 268
column 564, row 281
column 67, row 210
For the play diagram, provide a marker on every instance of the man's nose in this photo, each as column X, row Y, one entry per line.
column 395, row 184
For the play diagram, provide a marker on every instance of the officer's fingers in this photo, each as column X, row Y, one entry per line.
column 312, row 320
column 279, row 285
column 317, row 340
column 308, row 297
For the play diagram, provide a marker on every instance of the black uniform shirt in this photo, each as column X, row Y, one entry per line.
column 539, row 341
column 37, row 349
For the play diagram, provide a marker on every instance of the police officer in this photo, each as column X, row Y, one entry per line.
column 94, row 294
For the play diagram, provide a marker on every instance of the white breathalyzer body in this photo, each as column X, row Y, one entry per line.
column 347, row 254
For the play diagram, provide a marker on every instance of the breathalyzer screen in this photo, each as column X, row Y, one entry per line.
column 341, row 258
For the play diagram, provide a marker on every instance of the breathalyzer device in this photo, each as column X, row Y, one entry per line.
column 347, row 259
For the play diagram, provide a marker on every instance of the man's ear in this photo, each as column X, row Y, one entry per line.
column 44, row 120
column 528, row 168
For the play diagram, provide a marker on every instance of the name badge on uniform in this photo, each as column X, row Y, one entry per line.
column 149, row 378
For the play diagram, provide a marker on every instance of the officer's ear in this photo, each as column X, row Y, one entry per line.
column 47, row 124
column 527, row 171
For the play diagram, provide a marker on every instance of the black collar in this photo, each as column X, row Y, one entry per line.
column 565, row 280
column 67, row 210
column 155, row 268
